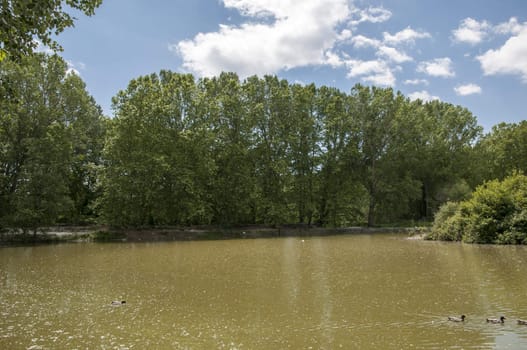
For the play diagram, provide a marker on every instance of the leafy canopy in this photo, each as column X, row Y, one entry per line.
column 23, row 21
column 496, row 213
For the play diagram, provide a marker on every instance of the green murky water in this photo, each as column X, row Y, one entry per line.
column 349, row 292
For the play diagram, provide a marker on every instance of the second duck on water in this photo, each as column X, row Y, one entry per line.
column 496, row 320
column 524, row 322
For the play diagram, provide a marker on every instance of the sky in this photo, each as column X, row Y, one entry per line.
column 471, row 53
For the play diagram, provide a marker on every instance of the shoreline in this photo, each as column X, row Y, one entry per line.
column 63, row 234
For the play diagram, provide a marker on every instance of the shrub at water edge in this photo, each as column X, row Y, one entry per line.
column 495, row 213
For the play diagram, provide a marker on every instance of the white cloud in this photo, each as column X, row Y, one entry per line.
column 388, row 49
column 511, row 58
column 257, row 8
column 416, row 82
column 371, row 14
column 407, row 35
column 333, row 59
column 390, row 53
column 423, row 96
column 471, row 31
column 376, row 72
column 467, row 89
column 301, row 33
column 510, row 27
column 74, row 67
column 393, row 54
column 474, row 32
column 344, row 35
column 439, row 67
column 360, row 41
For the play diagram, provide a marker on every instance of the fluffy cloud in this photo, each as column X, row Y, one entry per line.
column 333, row 59
column 390, row 53
column 389, row 48
column 471, row 31
column 285, row 34
column 301, row 33
column 407, row 35
column 416, row 82
column 371, row 14
column 393, row 54
column 510, row 27
column 423, row 96
column 439, row 67
column 511, row 58
column 467, row 89
column 259, row 8
column 361, row 41
column 376, row 72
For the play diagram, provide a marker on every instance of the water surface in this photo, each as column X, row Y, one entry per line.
column 352, row 292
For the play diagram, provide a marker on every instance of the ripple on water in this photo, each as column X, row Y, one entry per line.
column 342, row 292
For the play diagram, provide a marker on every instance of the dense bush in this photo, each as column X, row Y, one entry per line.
column 495, row 213
column 448, row 223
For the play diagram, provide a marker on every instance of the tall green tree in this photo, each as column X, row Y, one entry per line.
column 375, row 113
column 340, row 200
column 86, row 127
column 269, row 105
column 304, row 150
column 232, row 186
column 24, row 20
column 38, row 140
column 446, row 162
column 503, row 151
column 154, row 164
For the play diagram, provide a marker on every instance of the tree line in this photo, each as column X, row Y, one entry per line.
column 225, row 151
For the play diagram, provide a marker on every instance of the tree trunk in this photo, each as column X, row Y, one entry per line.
column 371, row 212
column 424, row 201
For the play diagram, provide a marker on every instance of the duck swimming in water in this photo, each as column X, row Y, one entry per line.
column 496, row 320
column 118, row 303
column 524, row 322
column 457, row 319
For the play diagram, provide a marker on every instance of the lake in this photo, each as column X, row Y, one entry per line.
column 377, row 291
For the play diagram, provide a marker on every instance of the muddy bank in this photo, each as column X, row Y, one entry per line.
column 154, row 234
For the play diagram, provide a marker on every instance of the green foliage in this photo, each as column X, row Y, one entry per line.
column 157, row 167
column 496, row 213
column 46, row 146
column 24, row 20
column 448, row 223
column 181, row 151
column 503, row 151
column 222, row 151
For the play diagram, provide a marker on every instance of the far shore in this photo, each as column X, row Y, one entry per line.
column 154, row 234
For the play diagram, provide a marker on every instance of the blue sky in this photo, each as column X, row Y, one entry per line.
column 466, row 52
